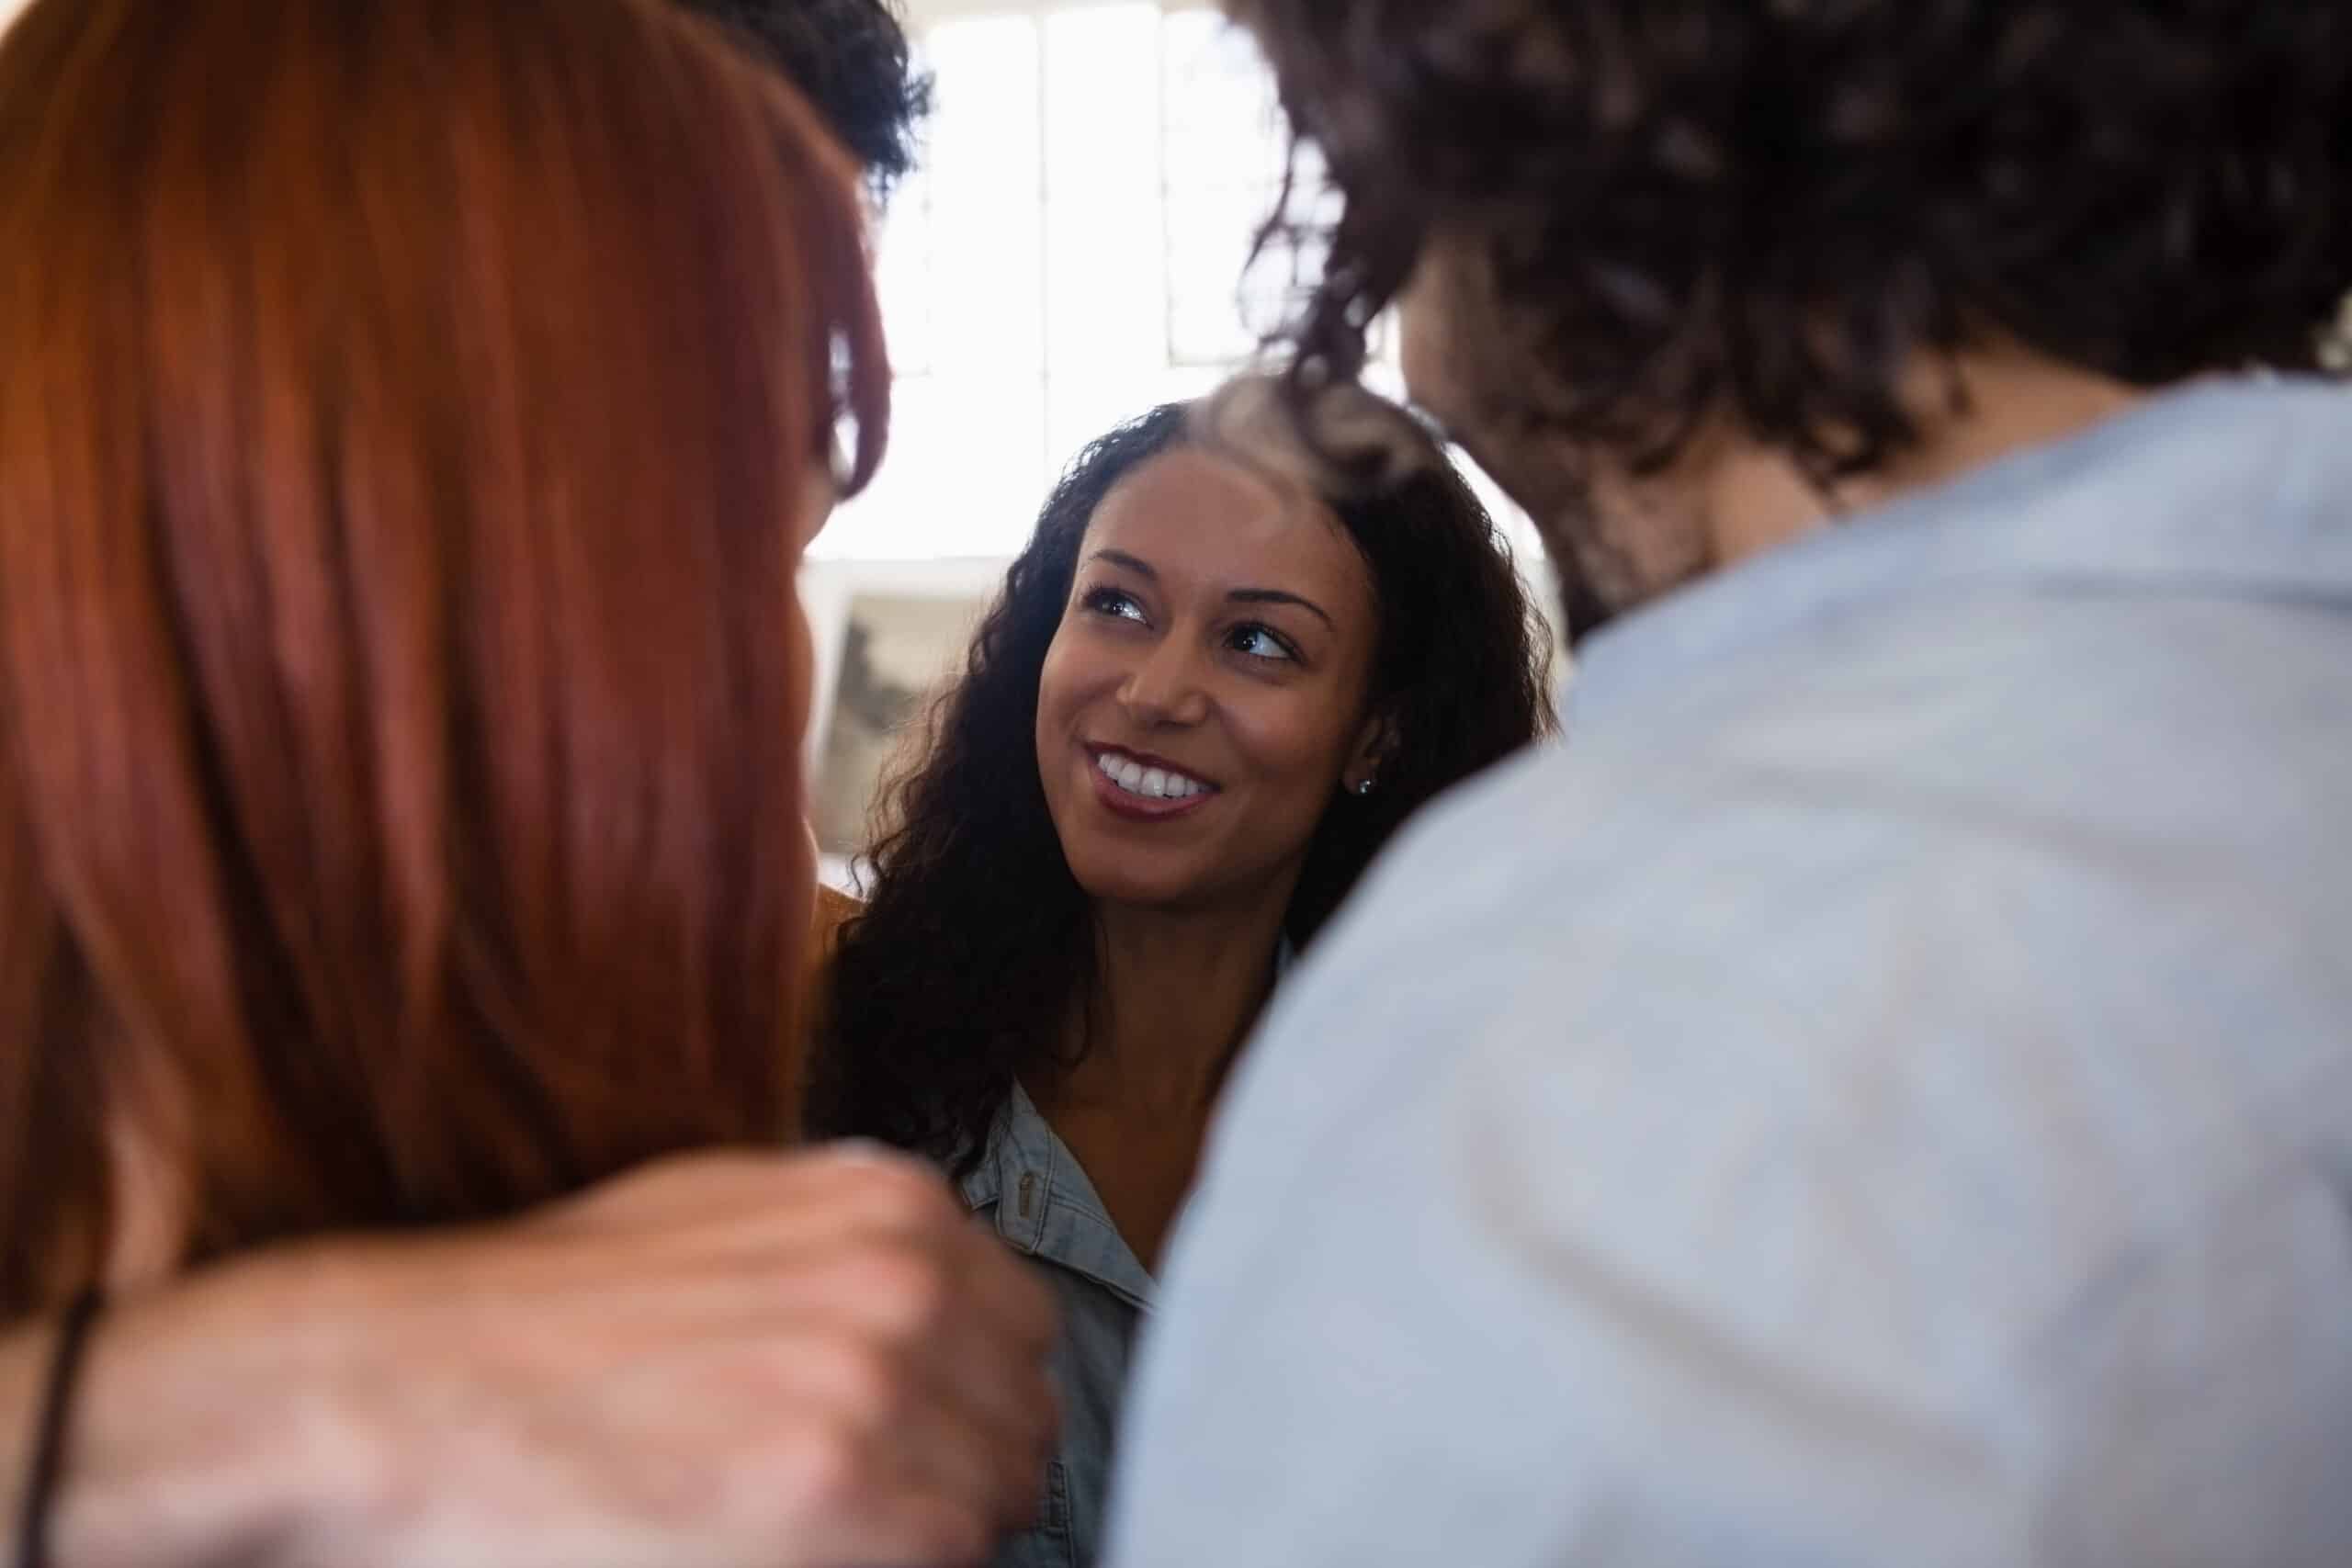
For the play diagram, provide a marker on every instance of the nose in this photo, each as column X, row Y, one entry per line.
column 1165, row 687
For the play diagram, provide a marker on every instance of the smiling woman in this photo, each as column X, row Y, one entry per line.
column 1222, row 673
column 1199, row 702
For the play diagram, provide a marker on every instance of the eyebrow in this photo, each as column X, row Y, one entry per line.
column 1143, row 568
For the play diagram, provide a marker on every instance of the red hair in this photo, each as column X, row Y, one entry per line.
column 409, row 411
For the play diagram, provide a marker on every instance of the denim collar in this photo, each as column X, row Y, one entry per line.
column 1047, row 1208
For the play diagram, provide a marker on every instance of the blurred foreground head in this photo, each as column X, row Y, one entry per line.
column 412, row 416
column 1629, row 235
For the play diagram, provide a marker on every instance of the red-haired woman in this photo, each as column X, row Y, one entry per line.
column 411, row 413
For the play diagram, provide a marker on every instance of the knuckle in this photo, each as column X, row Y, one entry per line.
column 909, row 1289
column 907, row 1198
column 906, row 1289
column 874, row 1387
column 886, row 1179
column 827, row 1470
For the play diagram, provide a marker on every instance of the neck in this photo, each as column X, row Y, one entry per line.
column 1753, row 499
column 1179, row 990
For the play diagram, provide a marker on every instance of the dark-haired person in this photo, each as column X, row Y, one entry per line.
column 851, row 60
column 404, row 402
column 1218, row 678
column 1881, row 1092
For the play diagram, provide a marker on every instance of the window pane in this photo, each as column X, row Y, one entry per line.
column 1104, row 250
column 1071, row 253
column 1224, row 122
column 1216, row 311
column 963, row 478
column 1223, row 163
column 902, row 276
column 1102, row 102
column 985, row 177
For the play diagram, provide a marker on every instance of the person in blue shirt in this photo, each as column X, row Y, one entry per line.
column 1881, row 1090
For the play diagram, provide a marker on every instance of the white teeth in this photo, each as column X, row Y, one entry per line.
column 1153, row 783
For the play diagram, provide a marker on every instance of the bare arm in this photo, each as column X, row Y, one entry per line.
column 168, row 1460
column 787, row 1361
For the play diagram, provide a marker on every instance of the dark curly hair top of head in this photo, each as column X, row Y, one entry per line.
column 975, row 941
column 1762, row 210
column 851, row 60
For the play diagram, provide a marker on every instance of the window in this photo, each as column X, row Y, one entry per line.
column 1069, row 255
column 1071, row 251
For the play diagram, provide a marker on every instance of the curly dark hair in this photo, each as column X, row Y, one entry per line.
column 975, row 941
column 1690, row 209
column 851, row 60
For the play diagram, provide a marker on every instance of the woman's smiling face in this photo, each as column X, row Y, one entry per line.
column 1205, row 699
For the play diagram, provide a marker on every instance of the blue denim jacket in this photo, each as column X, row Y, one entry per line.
column 1030, row 1185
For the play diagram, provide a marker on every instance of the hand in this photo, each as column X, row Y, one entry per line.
column 810, row 1360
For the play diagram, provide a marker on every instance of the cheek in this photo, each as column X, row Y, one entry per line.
column 1294, row 745
column 1063, row 686
column 1078, row 673
column 1052, row 689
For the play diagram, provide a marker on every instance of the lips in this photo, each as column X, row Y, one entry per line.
column 1150, row 778
column 1145, row 787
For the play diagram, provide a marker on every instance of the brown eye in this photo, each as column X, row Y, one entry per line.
column 1113, row 602
column 1261, row 642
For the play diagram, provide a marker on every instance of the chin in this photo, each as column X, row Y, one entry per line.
column 1117, row 873
column 1125, row 885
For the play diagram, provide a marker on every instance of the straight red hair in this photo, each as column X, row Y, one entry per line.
column 409, row 415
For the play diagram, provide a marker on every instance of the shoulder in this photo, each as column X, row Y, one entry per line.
column 830, row 913
column 1888, row 785
column 1866, row 950
column 1801, row 1136
column 833, row 910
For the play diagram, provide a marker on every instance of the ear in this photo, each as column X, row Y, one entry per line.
column 1376, row 743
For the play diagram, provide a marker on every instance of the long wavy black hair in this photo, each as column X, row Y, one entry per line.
column 977, row 942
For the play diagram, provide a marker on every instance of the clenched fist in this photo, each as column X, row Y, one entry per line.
column 806, row 1360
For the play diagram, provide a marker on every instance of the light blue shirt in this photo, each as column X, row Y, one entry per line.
column 1031, row 1187
column 1880, row 1093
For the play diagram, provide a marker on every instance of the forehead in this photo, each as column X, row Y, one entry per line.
column 1202, row 521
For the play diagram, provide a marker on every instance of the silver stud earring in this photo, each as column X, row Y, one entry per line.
column 2335, row 340
column 1364, row 788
